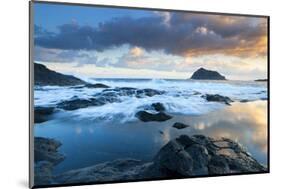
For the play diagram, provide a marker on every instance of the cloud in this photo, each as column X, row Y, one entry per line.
column 136, row 51
column 183, row 34
column 63, row 56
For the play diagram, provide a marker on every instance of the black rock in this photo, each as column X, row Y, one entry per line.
column 129, row 91
column 261, row 80
column 204, row 74
column 199, row 155
column 42, row 114
column 46, row 150
column 90, row 85
column 217, row 98
column 117, row 170
column 97, row 85
column 108, row 96
column 46, row 156
column 145, row 116
column 43, row 173
column 244, row 100
column 184, row 156
column 149, row 92
column 196, row 93
column 44, row 76
column 180, row 125
column 158, row 107
column 74, row 104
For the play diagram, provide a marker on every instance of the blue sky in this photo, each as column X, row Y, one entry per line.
column 52, row 15
column 72, row 38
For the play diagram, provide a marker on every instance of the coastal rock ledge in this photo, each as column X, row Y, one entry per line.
column 184, row 156
column 205, row 74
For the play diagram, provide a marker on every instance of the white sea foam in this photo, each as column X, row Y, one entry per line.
column 180, row 97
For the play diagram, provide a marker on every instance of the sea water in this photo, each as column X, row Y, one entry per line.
column 94, row 135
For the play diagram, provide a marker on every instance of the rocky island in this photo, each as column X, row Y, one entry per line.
column 204, row 74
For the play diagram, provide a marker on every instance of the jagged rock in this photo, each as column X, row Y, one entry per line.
column 45, row 76
column 77, row 103
column 108, row 96
column 158, row 107
column 43, row 173
column 184, row 156
column 46, row 156
column 46, row 150
column 148, row 92
column 97, row 85
column 42, row 114
column 199, row 155
column 89, row 85
column 130, row 91
column 207, row 75
column 117, row 170
column 146, row 116
column 180, row 125
column 217, row 98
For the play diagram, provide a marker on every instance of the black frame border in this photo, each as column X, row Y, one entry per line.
column 31, row 105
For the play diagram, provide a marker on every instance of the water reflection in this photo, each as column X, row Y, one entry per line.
column 86, row 142
column 245, row 123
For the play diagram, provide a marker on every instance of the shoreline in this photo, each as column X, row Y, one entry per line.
column 182, row 157
column 150, row 137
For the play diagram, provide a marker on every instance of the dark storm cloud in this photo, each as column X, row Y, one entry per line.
column 175, row 33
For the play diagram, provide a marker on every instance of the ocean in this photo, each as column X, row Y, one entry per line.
column 111, row 131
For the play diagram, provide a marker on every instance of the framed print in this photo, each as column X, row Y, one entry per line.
column 123, row 94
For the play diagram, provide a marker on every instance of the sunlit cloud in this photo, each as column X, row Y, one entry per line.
column 136, row 51
column 164, row 41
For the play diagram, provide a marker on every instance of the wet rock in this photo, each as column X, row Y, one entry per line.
column 218, row 165
column 217, row 98
column 90, row 85
column 129, row 91
column 148, row 92
column 43, row 173
column 158, row 107
column 171, row 159
column 46, row 150
column 184, row 156
column 42, row 114
column 97, row 85
column 146, row 116
column 117, row 170
column 196, row 93
column 180, row 125
column 200, row 155
column 77, row 103
column 46, row 156
column 244, row 100
column 108, row 96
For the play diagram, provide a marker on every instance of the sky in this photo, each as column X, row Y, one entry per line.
column 102, row 42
